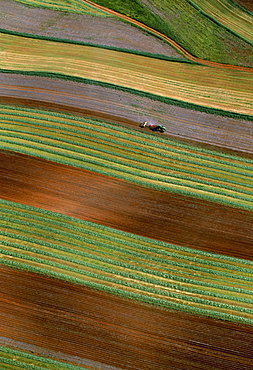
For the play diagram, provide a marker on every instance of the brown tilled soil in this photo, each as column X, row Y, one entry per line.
column 86, row 327
column 160, row 215
column 18, row 17
column 226, row 134
column 246, row 4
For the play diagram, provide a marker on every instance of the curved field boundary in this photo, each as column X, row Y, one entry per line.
column 228, row 15
column 14, row 359
column 223, row 89
column 169, row 40
column 97, row 256
column 165, row 165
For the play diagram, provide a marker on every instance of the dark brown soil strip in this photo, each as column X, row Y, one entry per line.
column 164, row 216
column 72, row 320
column 246, row 4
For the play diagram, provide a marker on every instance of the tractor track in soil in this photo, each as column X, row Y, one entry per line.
column 169, row 40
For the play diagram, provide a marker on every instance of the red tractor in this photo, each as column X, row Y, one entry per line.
column 159, row 128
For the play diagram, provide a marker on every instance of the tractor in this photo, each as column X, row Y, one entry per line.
column 159, row 128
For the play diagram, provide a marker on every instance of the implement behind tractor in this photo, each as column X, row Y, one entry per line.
column 159, row 128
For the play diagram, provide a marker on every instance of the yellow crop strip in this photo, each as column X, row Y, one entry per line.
column 215, row 88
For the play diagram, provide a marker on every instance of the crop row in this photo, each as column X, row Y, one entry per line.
column 14, row 359
column 164, row 165
column 98, row 256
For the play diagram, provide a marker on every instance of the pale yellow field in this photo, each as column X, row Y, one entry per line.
column 208, row 86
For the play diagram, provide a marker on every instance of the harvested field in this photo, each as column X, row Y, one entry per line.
column 82, row 325
column 83, row 28
column 225, row 89
column 127, row 109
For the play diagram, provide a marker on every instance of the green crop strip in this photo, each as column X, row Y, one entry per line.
column 179, row 169
column 98, row 256
column 170, row 101
column 14, row 359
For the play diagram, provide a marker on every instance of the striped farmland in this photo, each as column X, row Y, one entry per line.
column 121, row 248
column 159, row 273
column 120, row 152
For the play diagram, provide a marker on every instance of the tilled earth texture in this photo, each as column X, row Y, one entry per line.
column 122, row 247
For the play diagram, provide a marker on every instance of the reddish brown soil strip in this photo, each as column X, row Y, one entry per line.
column 79, row 27
column 170, row 41
column 246, row 4
column 160, row 215
column 78, row 321
column 208, row 130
